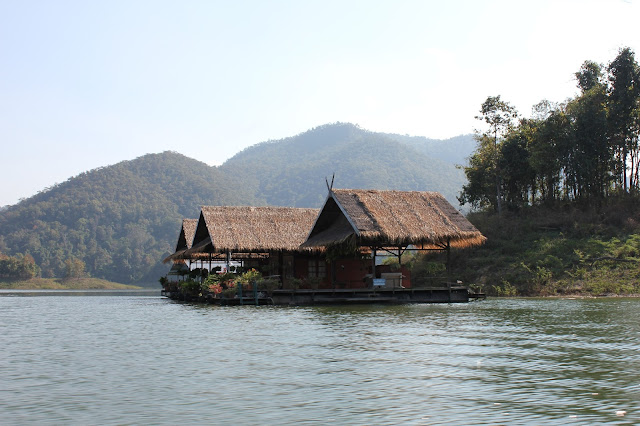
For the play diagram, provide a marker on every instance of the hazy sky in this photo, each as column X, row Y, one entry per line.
column 85, row 84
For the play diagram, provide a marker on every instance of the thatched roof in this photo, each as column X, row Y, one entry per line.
column 185, row 238
column 391, row 218
column 252, row 229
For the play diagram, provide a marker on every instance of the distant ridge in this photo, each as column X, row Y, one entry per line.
column 118, row 219
column 291, row 171
column 122, row 220
column 453, row 150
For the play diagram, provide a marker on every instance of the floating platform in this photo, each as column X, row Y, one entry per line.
column 445, row 294
column 453, row 294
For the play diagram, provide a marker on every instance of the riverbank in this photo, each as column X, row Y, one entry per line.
column 556, row 251
column 65, row 284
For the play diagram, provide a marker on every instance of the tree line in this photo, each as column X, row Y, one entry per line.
column 583, row 150
column 18, row 267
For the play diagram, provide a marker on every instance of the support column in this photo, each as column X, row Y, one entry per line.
column 373, row 260
column 448, row 258
column 400, row 263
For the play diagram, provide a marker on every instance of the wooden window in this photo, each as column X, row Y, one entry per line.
column 317, row 268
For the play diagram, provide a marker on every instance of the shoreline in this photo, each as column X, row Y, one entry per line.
column 54, row 284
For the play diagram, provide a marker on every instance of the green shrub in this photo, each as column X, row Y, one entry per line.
column 190, row 286
column 505, row 289
column 268, row 285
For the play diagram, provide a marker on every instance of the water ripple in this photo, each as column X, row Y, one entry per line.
column 132, row 360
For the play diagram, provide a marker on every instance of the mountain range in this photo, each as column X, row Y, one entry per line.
column 121, row 220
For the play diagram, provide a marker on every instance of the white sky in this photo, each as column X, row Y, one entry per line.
column 85, row 84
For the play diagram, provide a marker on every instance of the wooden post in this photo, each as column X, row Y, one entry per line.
column 448, row 258
column 399, row 264
column 333, row 274
column 255, row 291
column 373, row 260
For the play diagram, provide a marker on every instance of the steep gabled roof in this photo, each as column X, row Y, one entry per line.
column 252, row 229
column 186, row 234
column 185, row 238
column 392, row 218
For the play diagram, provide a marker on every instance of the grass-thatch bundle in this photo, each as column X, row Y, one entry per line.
column 424, row 219
column 186, row 234
column 256, row 229
column 185, row 239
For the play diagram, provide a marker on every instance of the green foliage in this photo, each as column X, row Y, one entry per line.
column 480, row 189
column 119, row 220
column 428, row 269
column 561, row 250
column 589, row 76
column 74, row 268
column 19, row 267
column 629, row 248
column 294, row 283
column 268, row 284
column 226, row 285
column 249, row 277
column 359, row 159
column 505, row 289
column 60, row 284
column 453, row 151
column 583, row 151
column 190, row 287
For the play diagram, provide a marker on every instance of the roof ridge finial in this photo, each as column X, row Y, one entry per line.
column 330, row 187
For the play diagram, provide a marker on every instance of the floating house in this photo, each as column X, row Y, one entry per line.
column 391, row 222
column 265, row 238
column 337, row 247
column 388, row 223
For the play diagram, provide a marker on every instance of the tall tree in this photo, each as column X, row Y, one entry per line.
column 589, row 76
column 591, row 154
column 624, row 98
column 499, row 115
column 479, row 191
column 74, row 268
column 514, row 162
column 580, row 150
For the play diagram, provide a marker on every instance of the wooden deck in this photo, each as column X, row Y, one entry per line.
column 441, row 294
column 453, row 294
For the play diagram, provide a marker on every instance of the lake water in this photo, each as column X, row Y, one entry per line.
column 143, row 359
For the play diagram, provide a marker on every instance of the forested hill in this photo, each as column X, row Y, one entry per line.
column 292, row 171
column 122, row 220
column 454, row 150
